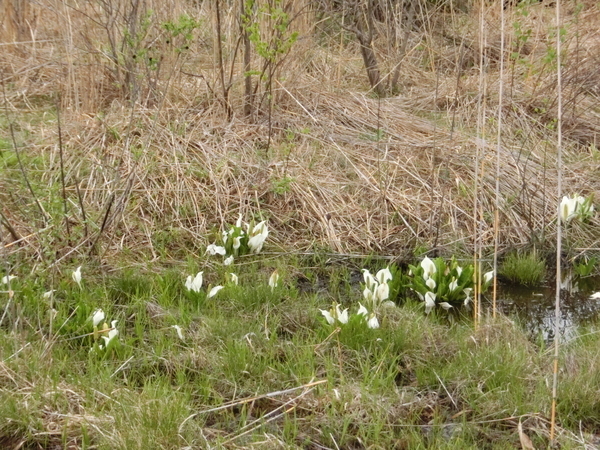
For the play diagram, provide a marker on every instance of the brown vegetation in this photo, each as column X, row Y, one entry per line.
column 159, row 146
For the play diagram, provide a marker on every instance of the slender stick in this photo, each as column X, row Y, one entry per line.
column 559, row 224
column 498, row 148
column 480, row 141
column 62, row 167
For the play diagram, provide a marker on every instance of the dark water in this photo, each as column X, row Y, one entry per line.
column 535, row 307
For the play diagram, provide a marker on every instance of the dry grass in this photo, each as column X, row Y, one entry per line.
column 343, row 170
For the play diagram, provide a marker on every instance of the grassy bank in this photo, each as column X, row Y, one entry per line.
column 256, row 367
column 133, row 132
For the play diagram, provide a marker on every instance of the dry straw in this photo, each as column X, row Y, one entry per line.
column 164, row 165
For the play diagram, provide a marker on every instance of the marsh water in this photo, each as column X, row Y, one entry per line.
column 534, row 307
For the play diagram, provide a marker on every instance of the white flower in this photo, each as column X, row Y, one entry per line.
column 228, row 261
column 368, row 294
column 194, row 284
column 213, row 249
column 373, row 322
column 429, row 302
column 330, row 319
column 595, row 295
column 274, row 279
column 6, row 278
column 370, row 280
column 214, row 291
column 382, row 292
column 97, row 317
column 48, row 294
column 487, row 277
column 458, row 270
column 236, row 243
column 384, row 275
column 453, row 285
column 428, row 267
column 362, row 311
column 258, row 237
column 113, row 333
column 238, row 223
column 234, row 278
column 179, row 331
column 445, row 305
column 430, row 283
column 334, row 314
column 77, row 276
column 342, row 316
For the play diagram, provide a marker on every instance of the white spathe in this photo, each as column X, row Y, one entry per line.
column 428, row 267
column 213, row 249
column 214, row 291
column 97, row 317
column 194, row 284
column 76, row 275
column 429, row 302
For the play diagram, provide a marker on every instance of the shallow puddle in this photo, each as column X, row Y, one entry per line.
column 534, row 307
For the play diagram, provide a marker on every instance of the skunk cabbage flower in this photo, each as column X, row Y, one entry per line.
column 429, row 302
column 48, row 294
column 430, row 283
column 7, row 278
column 258, row 237
column 214, row 291
column 362, row 311
column 113, row 333
column 236, row 243
column 342, row 316
column 373, row 322
column 382, row 292
column 487, row 277
column 428, row 267
column 77, row 276
column 233, row 278
column 334, row 314
column 453, row 285
column 274, row 279
column 179, row 331
column 384, row 275
column 97, row 317
column 213, row 249
column 330, row 319
column 194, row 284
column 568, row 207
column 368, row 294
column 228, row 261
column 445, row 305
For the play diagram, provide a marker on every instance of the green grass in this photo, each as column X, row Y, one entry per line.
column 413, row 383
column 528, row 269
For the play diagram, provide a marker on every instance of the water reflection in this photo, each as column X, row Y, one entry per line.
column 535, row 307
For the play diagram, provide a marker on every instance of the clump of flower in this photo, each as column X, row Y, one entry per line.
column 241, row 239
column 576, row 206
column 376, row 294
column 102, row 331
column 447, row 285
column 335, row 314
column 194, row 283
